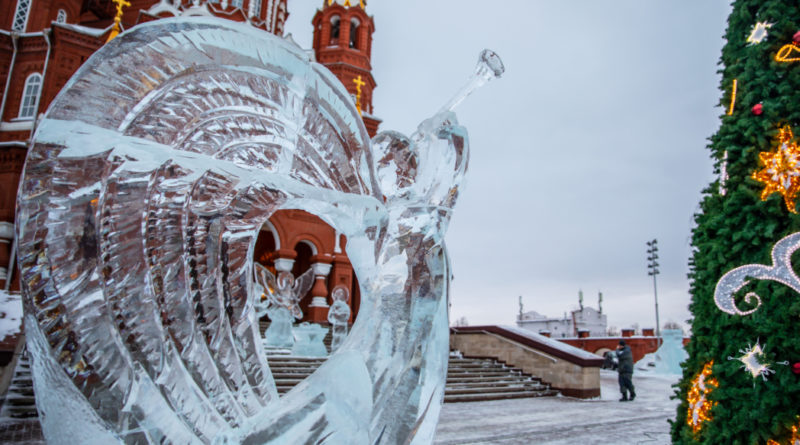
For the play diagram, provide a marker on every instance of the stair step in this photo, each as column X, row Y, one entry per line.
column 492, row 390
column 481, row 374
column 293, row 365
column 497, row 396
column 507, row 383
column 490, row 379
column 294, row 358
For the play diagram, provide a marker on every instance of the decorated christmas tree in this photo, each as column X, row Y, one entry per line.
column 740, row 382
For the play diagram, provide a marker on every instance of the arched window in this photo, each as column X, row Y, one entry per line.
column 30, row 96
column 21, row 15
column 335, row 28
column 354, row 23
column 61, row 17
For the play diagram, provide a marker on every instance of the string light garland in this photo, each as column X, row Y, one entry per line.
column 733, row 97
column 758, row 33
column 788, row 53
column 699, row 406
column 795, row 440
column 781, row 172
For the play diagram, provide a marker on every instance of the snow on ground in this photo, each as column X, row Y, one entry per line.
column 565, row 420
column 10, row 315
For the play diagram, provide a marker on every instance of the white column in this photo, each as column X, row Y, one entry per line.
column 338, row 247
column 284, row 264
column 319, row 291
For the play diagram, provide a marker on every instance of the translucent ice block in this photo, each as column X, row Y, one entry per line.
column 144, row 190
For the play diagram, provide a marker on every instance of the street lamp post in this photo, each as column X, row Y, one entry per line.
column 652, row 269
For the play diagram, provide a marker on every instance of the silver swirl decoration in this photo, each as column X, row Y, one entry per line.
column 780, row 271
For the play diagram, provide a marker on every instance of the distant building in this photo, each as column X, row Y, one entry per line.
column 555, row 327
column 585, row 321
column 591, row 320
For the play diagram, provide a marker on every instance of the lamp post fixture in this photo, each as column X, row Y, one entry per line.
column 652, row 269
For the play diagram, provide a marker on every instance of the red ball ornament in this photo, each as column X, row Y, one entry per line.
column 796, row 37
column 796, row 368
column 757, row 109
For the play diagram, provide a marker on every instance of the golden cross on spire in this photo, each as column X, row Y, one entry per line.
column 117, row 18
column 359, row 83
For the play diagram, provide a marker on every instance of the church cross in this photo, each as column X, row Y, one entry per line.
column 359, row 83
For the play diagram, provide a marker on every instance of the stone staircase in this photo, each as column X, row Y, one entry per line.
column 19, row 401
column 468, row 379
column 288, row 370
column 480, row 379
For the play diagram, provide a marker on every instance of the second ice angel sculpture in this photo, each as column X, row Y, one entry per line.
column 143, row 192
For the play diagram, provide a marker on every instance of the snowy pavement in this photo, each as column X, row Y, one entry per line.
column 564, row 420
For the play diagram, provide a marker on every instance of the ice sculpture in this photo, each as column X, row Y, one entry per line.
column 308, row 340
column 145, row 186
column 339, row 315
column 283, row 303
column 670, row 354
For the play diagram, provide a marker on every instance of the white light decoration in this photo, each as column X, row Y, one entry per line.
column 751, row 361
column 780, row 271
column 758, row 33
column 723, row 174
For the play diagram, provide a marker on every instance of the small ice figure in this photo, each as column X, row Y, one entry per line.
column 339, row 315
column 282, row 304
column 669, row 356
column 308, row 340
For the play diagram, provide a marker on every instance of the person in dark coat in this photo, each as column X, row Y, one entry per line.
column 625, row 370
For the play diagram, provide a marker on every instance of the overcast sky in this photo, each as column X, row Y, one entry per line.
column 591, row 144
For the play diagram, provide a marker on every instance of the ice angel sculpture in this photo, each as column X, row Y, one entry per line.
column 283, row 302
column 145, row 186
column 339, row 315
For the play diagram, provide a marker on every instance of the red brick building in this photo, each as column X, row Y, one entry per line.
column 43, row 43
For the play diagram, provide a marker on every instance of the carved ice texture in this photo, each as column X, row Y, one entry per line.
column 308, row 340
column 144, row 190
column 339, row 316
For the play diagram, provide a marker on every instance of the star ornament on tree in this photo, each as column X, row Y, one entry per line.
column 751, row 361
column 781, row 173
column 758, row 33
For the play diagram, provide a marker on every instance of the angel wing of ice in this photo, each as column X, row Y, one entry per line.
column 302, row 285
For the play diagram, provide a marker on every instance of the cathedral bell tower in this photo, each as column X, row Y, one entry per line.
column 343, row 43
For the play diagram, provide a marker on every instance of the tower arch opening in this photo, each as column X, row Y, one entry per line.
column 336, row 27
column 354, row 31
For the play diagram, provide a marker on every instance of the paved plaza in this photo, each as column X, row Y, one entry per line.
column 563, row 420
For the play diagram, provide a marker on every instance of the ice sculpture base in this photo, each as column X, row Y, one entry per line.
column 279, row 332
column 309, row 340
